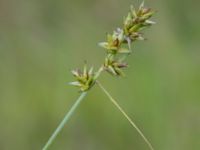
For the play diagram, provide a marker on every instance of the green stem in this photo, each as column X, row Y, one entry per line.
column 64, row 121
column 98, row 72
column 125, row 115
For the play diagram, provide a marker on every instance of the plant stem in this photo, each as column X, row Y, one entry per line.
column 125, row 115
column 64, row 121
column 98, row 72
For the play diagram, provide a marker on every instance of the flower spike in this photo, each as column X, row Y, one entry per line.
column 117, row 46
column 85, row 79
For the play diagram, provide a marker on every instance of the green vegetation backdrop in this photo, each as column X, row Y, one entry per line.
column 41, row 41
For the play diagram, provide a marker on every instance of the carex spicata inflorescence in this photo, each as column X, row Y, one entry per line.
column 117, row 46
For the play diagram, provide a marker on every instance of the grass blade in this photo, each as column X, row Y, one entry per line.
column 125, row 115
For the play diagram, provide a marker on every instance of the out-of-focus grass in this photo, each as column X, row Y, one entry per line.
column 41, row 41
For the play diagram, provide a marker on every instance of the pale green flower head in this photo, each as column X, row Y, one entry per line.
column 114, row 66
column 85, row 78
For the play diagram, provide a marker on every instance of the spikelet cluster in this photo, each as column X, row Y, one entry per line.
column 117, row 47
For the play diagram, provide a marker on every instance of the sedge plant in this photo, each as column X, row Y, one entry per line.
column 117, row 47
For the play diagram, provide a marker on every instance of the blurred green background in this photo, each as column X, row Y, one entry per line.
column 42, row 41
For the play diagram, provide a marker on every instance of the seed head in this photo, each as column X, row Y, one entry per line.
column 114, row 66
column 85, row 78
column 117, row 46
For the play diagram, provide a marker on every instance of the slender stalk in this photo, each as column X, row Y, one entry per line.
column 98, row 73
column 64, row 121
column 125, row 115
